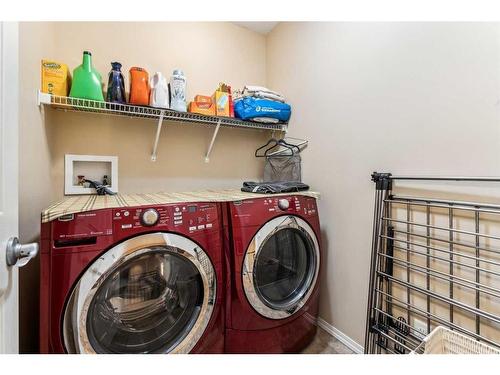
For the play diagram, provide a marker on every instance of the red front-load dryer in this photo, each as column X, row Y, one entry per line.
column 133, row 280
column 273, row 250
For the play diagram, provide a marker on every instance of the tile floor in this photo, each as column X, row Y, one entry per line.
column 324, row 343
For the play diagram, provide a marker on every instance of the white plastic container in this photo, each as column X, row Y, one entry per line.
column 178, row 91
column 445, row 341
column 159, row 96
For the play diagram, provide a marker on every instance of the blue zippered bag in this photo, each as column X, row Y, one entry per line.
column 248, row 108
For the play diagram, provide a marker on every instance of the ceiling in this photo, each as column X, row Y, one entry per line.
column 260, row 27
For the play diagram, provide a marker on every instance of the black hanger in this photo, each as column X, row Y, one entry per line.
column 272, row 143
column 289, row 145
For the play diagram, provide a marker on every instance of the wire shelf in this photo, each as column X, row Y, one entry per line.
column 66, row 103
column 85, row 105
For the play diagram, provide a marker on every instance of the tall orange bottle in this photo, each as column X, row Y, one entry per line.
column 139, row 86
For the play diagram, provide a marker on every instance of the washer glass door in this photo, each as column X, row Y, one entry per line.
column 151, row 294
column 281, row 266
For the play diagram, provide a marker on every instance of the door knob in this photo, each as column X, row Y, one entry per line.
column 17, row 254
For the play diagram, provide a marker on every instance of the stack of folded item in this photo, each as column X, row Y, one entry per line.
column 260, row 104
column 263, row 93
column 273, row 187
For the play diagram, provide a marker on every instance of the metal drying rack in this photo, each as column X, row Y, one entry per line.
column 426, row 269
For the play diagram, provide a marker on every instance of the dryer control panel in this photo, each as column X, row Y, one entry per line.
column 186, row 217
column 257, row 211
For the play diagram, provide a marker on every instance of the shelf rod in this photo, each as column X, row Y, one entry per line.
column 207, row 156
column 157, row 137
column 299, row 145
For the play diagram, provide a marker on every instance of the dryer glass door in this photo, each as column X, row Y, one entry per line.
column 281, row 267
column 151, row 294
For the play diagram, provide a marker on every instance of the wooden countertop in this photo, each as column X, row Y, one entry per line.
column 82, row 203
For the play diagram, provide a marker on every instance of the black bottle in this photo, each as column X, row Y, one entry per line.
column 116, row 84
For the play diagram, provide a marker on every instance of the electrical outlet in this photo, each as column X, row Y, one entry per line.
column 420, row 329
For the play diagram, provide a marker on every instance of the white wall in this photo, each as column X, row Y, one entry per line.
column 414, row 98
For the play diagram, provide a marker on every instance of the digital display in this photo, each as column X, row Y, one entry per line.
column 191, row 208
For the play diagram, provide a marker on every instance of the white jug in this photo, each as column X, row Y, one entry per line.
column 159, row 96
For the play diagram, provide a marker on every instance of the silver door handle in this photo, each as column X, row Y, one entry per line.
column 17, row 254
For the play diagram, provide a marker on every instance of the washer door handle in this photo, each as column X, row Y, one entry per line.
column 19, row 255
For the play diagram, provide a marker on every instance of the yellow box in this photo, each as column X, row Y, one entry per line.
column 55, row 78
column 203, row 105
column 221, row 100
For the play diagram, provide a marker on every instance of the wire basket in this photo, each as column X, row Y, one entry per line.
column 445, row 341
column 279, row 168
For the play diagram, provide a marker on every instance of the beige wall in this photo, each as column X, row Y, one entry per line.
column 406, row 98
column 208, row 53
column 36, row 40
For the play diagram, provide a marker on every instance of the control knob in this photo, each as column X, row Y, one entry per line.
column 283, row 204
column 150, row 217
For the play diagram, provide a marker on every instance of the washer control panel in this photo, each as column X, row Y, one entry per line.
column 81, row 225
column 180, row 217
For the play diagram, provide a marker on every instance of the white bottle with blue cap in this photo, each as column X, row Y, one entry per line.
column 178, row 91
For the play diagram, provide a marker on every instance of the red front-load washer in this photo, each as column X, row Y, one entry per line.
column 273, row 251
column 133, row 280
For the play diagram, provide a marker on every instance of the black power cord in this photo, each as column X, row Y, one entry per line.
column 100, row 188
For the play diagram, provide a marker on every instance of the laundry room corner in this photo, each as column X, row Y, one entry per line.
column 277, row 186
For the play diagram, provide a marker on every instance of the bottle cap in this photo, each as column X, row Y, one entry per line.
column 87, row 53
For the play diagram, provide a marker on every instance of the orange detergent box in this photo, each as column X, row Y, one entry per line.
column 221, row 100
column 203, row 105
column 55, row 78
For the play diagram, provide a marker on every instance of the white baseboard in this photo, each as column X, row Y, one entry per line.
column 341, row 336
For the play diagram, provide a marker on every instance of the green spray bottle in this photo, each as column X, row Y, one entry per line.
column 86, row 80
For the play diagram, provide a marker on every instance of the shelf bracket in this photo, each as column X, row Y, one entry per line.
column 43, row 98
column 157, row 137
column 207, row 156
